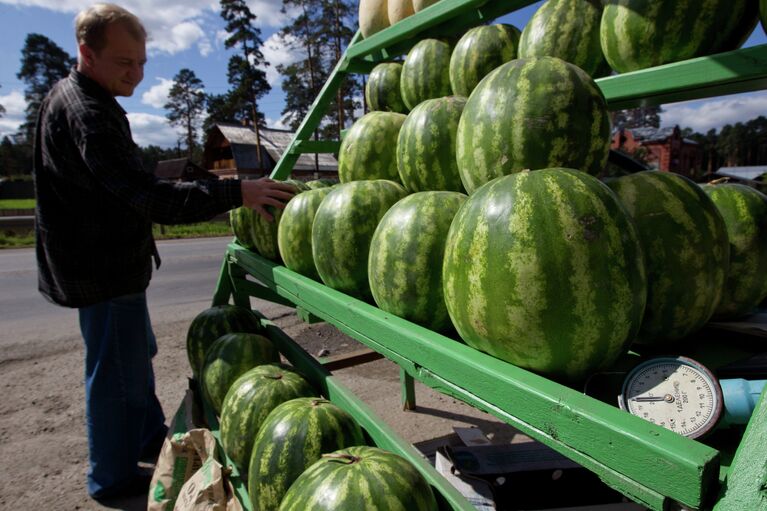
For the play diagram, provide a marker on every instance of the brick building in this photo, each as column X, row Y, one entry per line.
column 662, row 148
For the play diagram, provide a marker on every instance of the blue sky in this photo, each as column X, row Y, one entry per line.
column 189, row 33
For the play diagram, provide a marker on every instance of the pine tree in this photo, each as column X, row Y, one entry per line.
column 641, row 117
column 186, row 103
column 248, row 81
column 43, row 63
column 2, row 108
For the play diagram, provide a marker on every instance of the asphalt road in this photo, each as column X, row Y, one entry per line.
column 183, row 284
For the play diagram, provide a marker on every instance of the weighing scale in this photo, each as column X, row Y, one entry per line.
column 682, row 395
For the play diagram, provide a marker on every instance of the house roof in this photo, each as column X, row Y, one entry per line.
column 176, row 168
column 752, row 173
column 274, row 141
column 650, row 134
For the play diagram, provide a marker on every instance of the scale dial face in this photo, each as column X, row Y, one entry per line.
column 678, row 394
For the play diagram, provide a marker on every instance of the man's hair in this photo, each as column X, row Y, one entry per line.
column 91, row 24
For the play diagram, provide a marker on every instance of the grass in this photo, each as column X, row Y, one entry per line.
column 26, row 238
column 10, row 239
column 201, row 230
column 17, row 203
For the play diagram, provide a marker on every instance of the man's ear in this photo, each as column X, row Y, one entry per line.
column 87, row 54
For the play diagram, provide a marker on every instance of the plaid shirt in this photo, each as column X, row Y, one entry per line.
column 95, row 201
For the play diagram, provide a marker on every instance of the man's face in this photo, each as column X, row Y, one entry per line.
column 119, row 66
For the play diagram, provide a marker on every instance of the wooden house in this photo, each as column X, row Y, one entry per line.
column 181, row 169
column 231, row 151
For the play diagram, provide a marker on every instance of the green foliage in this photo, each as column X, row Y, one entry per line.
column 15, row 158
column 248, row 81
column 319, row 30
column 641, row 117
column 17, row 239
column 186, row 103
column 43, row 63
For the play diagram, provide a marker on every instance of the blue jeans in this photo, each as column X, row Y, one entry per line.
column 123, row 414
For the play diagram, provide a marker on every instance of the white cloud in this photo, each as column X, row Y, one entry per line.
column 157, row 95
column 280, row 124
column 278, row 51
column 150, row 129
column 267, row 12
column 703, row 115
column 14, row 115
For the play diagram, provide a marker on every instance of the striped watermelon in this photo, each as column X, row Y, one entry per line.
column 637, row 34
column 264, row 232
column 320, row 183
column 248, row 402
column 568, row 29
column 360, row 478
column 744, row 210
column 211, row 324
column 544, row 270
column 686, row 251
column 426, row 72
column 342, row 230
column 294, row 235
column 240, row 220
column 532, row 114
column 382, row 91
column 369, row 150
column 294, row 436
column 406, row 254
column 419, row 5
column 426, row 146
column 230, row 356
column 480, row 51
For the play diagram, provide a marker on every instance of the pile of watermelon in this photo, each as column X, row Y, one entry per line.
column 470, row 202
column 296, row 450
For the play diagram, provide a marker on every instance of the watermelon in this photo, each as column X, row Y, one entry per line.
column 211, row 324
column 480, row 51
column 294, row 235
column 264, row 232
column 568, row 29
column 762, row 13
column 744, row 211
column 637, row 34
column 230, row 356
column 294, row 436
column 426, row 146
column 369, row 150
column 545, row 270
column 686, row 250
column 240, row 220
column 426, row 72
column 320, row 183
column 406, row 253
column 358, row 478
column 532, row 114
column 248, row 402
column 419, row 5
column 342, row 230
column 382, row 91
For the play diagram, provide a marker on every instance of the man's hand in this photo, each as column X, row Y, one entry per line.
column 259, row 193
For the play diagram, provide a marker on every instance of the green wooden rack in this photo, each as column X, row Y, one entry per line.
column 651, row 465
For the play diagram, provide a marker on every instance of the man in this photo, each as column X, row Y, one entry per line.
column 95, row 208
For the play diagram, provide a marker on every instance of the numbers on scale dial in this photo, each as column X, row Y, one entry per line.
column 673, row 395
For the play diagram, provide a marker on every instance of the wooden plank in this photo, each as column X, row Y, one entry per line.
column 316, row 146
column 632, row 455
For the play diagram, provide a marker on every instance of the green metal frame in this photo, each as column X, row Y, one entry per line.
column 649, row 464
